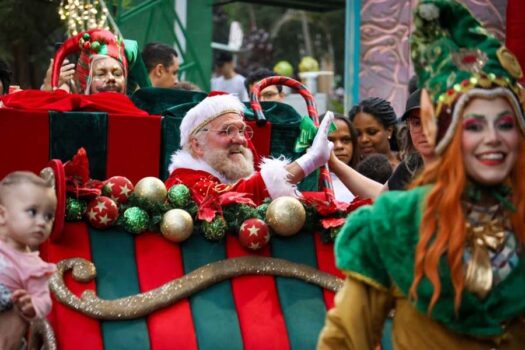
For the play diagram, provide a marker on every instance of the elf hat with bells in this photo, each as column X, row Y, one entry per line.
column 456, row 59
column 91, row 44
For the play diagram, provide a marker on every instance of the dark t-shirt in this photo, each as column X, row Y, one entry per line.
column 405, row 172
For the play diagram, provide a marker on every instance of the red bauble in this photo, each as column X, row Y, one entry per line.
column 254, row 234
column 118, row 188
column 102, row 212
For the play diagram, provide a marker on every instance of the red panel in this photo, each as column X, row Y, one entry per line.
column 326, row 263
column 159, row 262
column 515, row 36
column 257, row 302
column 73, row 330
column 261, row 137
column 24, row 142
column 133, row 146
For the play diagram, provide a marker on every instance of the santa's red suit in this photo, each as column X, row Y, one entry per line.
column 204, row 181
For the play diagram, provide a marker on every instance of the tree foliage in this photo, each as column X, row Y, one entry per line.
column 28, row 32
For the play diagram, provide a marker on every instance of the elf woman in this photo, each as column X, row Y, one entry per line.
column 447, row 255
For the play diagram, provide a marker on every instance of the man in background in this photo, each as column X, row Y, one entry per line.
column 270, row 93
column 228, row 80
column 162, row 63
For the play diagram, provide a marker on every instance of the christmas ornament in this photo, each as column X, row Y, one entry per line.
column 254, row 234
column 179, row 196
column 151, row 189
column 286, row 215
column 102, row 212
column 308, row 64
column 176, row 225
column 283, row 68
column 214, row 230
column 75, row 209
column 135, row 220
column 118, row 188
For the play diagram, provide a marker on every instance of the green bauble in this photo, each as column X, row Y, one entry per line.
column 75, row 209
column 261, row 211
column 179, row 196
column 214, row 230
column 135, row 220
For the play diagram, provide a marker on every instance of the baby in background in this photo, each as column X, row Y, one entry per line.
column 27, row 212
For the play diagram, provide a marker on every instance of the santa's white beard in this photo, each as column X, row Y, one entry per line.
column 232, row 170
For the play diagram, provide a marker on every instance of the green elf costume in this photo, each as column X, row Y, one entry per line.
column 456, row 60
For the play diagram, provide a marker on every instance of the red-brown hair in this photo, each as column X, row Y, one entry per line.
column 444, row 221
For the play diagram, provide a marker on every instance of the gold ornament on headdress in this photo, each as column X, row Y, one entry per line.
column 509, row 62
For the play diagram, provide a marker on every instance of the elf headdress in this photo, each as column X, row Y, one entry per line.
column 91, row 44
column 455, row 58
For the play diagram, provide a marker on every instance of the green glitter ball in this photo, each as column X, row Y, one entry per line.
column 214, row 230
column 179, row 196
column 135, row 220
column 75, row 209
column 261, row 211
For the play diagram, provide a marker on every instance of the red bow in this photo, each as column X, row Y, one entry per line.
column 78, row 183
column 212, row 204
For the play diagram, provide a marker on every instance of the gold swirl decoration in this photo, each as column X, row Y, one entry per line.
column 41, row 336
column 142, row 304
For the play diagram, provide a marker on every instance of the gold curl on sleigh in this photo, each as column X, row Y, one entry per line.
column 142, row 304
column 41, row 336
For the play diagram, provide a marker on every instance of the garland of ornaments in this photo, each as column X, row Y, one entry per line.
column 149, row 206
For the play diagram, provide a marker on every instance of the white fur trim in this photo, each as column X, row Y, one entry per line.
column 464, row 99
column 207, row 110
column 275, row 177
column 184, row 160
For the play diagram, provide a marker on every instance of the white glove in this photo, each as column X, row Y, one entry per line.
column 319, row 152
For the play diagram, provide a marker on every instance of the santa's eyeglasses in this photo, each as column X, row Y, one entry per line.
column 230, row 131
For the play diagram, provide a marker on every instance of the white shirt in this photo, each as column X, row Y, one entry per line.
column 234, row 86
column 341, row 192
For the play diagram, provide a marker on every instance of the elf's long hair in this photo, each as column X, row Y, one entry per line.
column 444, row 231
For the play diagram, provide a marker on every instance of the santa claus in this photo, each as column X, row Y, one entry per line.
column 215, row 157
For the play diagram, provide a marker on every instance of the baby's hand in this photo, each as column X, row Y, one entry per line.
column 23, row 302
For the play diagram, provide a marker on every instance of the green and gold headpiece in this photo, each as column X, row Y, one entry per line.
column 454, row 56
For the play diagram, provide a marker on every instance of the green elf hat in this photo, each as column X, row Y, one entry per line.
column 455, row 58
column 93, row 43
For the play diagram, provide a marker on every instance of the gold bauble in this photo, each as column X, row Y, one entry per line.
column 176, row 225
column 286, row 216
column 151, row 189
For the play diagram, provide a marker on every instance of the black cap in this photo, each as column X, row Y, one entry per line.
column 412, row 103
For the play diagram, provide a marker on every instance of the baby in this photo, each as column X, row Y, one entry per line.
column 27, row 210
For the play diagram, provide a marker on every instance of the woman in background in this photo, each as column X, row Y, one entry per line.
column 375, row 122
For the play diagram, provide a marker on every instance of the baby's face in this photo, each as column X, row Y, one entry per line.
column 28, row 214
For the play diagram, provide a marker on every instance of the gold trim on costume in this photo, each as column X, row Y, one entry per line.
column 208, row 120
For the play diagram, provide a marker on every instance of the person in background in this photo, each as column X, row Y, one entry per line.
column 270, row 93
column 376, row 167
column 27, row 213
column 375, row 122
column 162, row 63
column 104, row 62
column 419, row 151
column 346, row 150
column 5, row 78
column 448, row 253
column 229, row 81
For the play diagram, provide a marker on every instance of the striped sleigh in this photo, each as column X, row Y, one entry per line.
column 146, row 292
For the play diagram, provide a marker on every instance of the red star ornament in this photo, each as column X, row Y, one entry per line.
column 102, row 212
column 254, row 234
column 118, row 188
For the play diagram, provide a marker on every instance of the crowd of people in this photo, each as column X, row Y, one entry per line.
column 443, row 242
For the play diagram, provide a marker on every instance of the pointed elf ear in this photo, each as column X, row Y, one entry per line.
column 428, row 118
